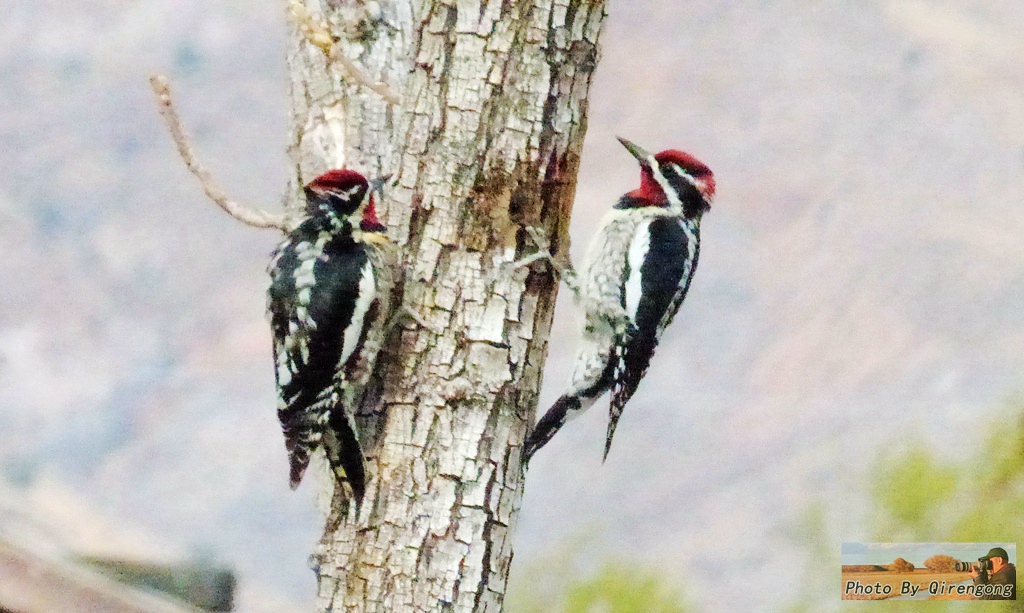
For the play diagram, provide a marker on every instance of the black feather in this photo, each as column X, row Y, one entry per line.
column 665, row 277
column 310, row 400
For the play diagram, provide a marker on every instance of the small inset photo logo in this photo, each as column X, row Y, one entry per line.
column 929, row 571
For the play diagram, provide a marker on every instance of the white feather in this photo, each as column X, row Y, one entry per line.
column 367, row 294
column 675, row 204
column 284, row 373
column 638, row 249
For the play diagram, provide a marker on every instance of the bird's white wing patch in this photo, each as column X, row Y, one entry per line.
column 354, row 330
column 638, row 249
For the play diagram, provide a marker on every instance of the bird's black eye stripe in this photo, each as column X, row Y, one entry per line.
column 347, row 196
column 684, row 173
column 676, row 170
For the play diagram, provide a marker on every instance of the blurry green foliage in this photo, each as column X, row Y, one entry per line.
column 972, row 498
column 910, row 488
column 556, row 585
column 977, row 498
column 919, row 497
column 623, row 589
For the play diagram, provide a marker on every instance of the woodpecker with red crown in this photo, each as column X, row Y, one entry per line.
column 636, row 274
column 328, row 302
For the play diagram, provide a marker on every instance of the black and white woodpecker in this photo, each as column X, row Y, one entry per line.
column 636, row 274
column 328, row 302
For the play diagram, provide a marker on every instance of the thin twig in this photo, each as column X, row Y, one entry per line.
column 246, row 215
column 318, row 35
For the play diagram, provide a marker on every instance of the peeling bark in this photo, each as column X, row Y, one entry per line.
column 484, row 141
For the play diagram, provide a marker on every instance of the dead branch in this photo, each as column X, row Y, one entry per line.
column 246, row 215
column 318, row 35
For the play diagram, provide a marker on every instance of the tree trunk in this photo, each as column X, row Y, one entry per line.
column 484, row 141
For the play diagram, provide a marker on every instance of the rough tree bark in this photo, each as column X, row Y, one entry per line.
column 478, row 108
column 484, row 140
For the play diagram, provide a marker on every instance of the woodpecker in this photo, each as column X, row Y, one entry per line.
column 328, row 299
column 636, row 274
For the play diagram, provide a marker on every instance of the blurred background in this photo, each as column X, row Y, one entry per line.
column 847, row 367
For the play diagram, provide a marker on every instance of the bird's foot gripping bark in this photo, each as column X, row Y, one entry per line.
column 406, row 312
column 562, row 266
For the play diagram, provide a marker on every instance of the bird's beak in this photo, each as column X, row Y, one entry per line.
column 638, row 152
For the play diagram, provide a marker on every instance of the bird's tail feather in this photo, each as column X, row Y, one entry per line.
column 300, row 440
column 613, row 422
column 345, row 454
column 550, row 423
